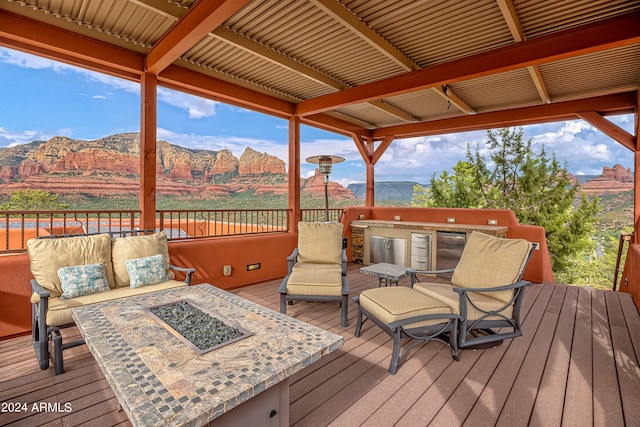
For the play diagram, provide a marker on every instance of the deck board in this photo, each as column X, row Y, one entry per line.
column 577, row 364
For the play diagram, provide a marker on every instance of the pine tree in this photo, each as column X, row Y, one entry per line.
column 532, row 184
column 33, row 200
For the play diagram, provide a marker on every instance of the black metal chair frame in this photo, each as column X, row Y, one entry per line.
column 343, row 299
column 445, row 332
column 481, row 332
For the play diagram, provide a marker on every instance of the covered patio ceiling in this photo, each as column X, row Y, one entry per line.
column 374, row 70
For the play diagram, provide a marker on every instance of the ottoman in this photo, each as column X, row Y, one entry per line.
column 404, row 312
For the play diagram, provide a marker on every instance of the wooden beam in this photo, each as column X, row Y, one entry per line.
column 340, row 13
column 538, row 81
column 148, row 142
column 334, row 124
column 363, row 147
column 608, row 33
column 610, row 129
column 294, row 174
column 620, row 103
column 386, row 142
column 517, row 31
column 454, row 99
column 179, row 78
column 54, row 43
column 370, row 192
column 201, row 18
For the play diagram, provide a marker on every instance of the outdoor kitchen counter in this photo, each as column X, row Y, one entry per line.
column 494, row 230
column 160, row 381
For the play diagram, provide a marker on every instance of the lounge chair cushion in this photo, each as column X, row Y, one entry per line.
column 444, row 293
column 59, row 312
column 315, row 283
column 302, row 266
column 399, row 303
column 320, row 242
column 131, row 247
column 489, row 261
column 47, row 256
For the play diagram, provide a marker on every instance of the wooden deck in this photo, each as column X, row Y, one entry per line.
column 576, row 365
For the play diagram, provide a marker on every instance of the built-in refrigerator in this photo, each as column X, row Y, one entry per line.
column 449, row 250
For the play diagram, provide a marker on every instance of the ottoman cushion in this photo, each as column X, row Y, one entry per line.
column 392, row 304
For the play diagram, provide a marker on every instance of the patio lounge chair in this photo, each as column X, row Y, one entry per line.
column 487, row 289
column 487, row 293
column 317, row 268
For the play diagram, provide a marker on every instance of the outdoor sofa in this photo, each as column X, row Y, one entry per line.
column 74, row 271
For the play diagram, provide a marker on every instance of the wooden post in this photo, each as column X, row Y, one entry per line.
column 370, row 186
column 148, row 110
column 294, row 173
column 636, row 173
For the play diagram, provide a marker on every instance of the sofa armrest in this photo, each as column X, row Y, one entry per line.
column 292, row 260
column 38, row 289
column 413, row 273
column 188, row 271
column 343, row 256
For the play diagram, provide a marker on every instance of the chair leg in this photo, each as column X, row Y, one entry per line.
column 283, row 304
column 57, row 353
column 395, row 354
column 345, row 310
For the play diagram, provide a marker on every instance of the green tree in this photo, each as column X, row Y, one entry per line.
column 532, row 184
column 33, row 200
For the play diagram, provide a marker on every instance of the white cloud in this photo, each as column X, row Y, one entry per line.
column 99, row 97
column 11, row 138
column 196, row 107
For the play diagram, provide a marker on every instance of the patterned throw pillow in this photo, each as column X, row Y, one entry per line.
column 146, row 271
column 81, row 280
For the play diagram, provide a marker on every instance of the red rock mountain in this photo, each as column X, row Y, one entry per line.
column 111, row 166
column 612, row 180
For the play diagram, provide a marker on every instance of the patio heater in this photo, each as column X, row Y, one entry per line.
column 325, row 163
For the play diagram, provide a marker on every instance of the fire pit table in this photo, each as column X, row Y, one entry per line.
column 160, row 379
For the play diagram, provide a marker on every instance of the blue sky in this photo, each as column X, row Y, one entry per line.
column 42, row 98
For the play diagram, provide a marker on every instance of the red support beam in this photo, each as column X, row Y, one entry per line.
column 202, row 17
column 386, row 142
column 294, row 173
column 148, row 101
column 50, row 42
column 608, row 33
column 620, row 103
column 182, row 79
column 610, row 129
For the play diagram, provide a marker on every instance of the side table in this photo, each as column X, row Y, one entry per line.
column 388, row 274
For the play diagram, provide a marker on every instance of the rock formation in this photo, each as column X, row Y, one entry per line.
column 612, row 180
column 111, row 165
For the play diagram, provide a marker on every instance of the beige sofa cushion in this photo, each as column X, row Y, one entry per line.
column 60, row 309
column 399, row 303
column 320, row 242
column 46, row 256
column 131, row 247
column 315, row 283
column 489, row 261
column 444, row 293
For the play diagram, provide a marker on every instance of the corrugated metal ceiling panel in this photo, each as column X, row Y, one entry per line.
column 594, row 74
column 514, row 88
column 425, row 105
column 303, row 31
column 436, row 32
column 539, row 17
